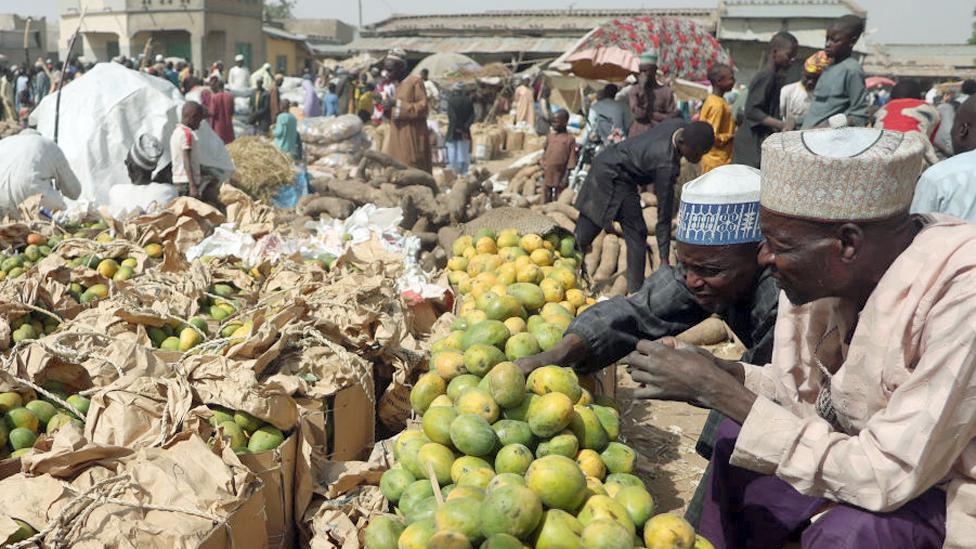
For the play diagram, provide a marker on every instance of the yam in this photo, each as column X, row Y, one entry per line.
column 564, row 209
column 457, row 200
column 412, row 176
column 650, row 219
column 337, row 208
column 649, row 199
column 592, row 258
column 421, row 226
column 620, row 283
column 568, row 196
column 562, row 221
column 446, row 236
column 354, row 191
column 710, row 331
column 608, row 258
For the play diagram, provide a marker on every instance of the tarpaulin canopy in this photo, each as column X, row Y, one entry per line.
column 872, row 82
column 102, row 114
column 611, row 51
column 442, row 65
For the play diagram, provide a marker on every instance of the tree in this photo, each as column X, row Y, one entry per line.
column 281, row 10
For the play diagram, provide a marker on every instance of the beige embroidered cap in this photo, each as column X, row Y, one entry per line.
column 840, row 174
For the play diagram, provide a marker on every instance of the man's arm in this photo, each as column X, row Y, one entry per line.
column 190, row 176
column 756, row 101
column 414, row 110
column 664, row 181
column 669, row 108
column 857, row 111
column 68, row 183
column 637, row 107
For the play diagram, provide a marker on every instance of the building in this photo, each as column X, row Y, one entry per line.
column 515, row 37
column 288, row 53
column 746, row 26
column 12, row 30
column 926, row 62
column 201, row 31
column 325, row 37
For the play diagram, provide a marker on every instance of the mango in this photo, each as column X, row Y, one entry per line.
column 265, row 439
column 606, row 534
column 42, row 409
column 549, row 414
column 558, row 481
column 383, row 532
column 437, row 458
column 591, row 464
column 466, row 464
column 10, row 400
column 511, row 431
column 247, row 422
column 22, row 418
column 637, row 502
column 514, row 458
column 588, row 429
column 480, row 358
column 605, row 507
column 506, row 383
column 461, row 515
column 487, row 332
column 448, row 364
column 473, row 435
column 512, row 510
column 477, row 401
column 425, row 390
column 189, row 338
column 460, row 384
column 171, row 343
column 238, row 439
column 668, row 531
column 437, row 423
column 521, row 345
column 559, row 530
column 619, row 458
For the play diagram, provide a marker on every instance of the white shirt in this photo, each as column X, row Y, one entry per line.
column 239, row 77
column 948, row 187
column 178, row 143
column 29, row 162
column 433, row 94
column 794, row 100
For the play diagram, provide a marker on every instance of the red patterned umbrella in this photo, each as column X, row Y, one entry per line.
column 612, row 50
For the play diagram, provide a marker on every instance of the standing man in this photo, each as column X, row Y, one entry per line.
column 21, row 85
column 761, row 112
column 170, row 74
column 795, row 98
column 263, row 74
column 524, row 103
column 433, row 94
column 840, row 89
column 239, row 76
column 184, row 151
column 33, row 164
column 331, row 101
column 610, row 191
column 344, row 88
column 408, row 140
column 650, row 101
column 865, row 419
column 717, row 112
column 41, row 84
column 7, row 95
column 217, row 71
column 949, row 187
column 275, row 96
column 221, row 111
column 947, row 112
column 286, row 132
column 608, row 117
column 460, row 116
column 260, row 109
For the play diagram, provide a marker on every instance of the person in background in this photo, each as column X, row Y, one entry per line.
column 25, row 108
column 949, row 187
column 544, row 111
column 524, row 100
column 761, row 112
column 239, row 76
column 795, row 98
column 366, row 102
column 220, row 110
column 184, row 150
column 331, row 100
column 610, row 192
column 312, row 104
column 717, row 112
column 558, row 157
column 7, row 95
column 274, row 96
column 286, row 132
column 263, row 74
column 260, row 109
column 433, row 94
column 408, row 140
column 607, row 116
column 21, row 85
column 460, row 116
column 840, row 89
column 216, row 71
column 907, row 112
column 650, row 101
column 29, row 164
column 186, row 73
column 344, row 88
column 142, row 159
column 171, row 75
column 947, row 112
column 41, row 84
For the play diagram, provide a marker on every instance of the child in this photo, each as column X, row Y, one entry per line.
column 365, row 103
column 25, row 107
column 331, row 101
column 558, row 157
column 840, row 89
column 761, row 110
column 717, row 112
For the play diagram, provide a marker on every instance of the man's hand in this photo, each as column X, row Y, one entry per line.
column 570, row 349
column 193, row 191
column 687, row 374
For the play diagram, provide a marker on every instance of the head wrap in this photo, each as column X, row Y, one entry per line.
column 816, row 63
column 721, row 207
column 238, row 57
column 159, row 58
column 146, row 151
column 844, row 174
column 649, row 57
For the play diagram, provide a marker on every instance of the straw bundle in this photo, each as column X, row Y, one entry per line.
column 261, row 169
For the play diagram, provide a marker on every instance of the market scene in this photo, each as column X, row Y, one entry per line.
column 669, row 275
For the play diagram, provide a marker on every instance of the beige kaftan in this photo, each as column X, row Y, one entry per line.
column 408, row 139
column 904, row 390
column 524, row 106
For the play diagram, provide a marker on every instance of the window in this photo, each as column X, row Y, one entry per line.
column 112, row 49
column 244, row 48
column 281, row 64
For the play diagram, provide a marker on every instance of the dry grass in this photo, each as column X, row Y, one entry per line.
column 261, row 169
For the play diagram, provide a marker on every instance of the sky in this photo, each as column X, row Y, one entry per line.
column 894, row 21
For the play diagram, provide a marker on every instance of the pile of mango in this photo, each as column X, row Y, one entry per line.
column 33, row 326
column 15, row 264
column 518, row 461
column 246, row 433
column 24, row 418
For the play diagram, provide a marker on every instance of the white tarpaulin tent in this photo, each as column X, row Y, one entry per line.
column 104, row 111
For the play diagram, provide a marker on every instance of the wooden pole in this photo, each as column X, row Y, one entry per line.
column 64, row 74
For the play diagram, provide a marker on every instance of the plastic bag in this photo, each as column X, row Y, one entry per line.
column 126, row 199
column 289, row 195
column 329, row 130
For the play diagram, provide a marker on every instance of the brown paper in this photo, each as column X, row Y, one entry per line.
column 184, row 222
column 276, row 469
column 253, row 218
column 138, row 411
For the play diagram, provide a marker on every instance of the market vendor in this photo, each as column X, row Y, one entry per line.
column 407, row 112
column 610, row 191
column 865, row 418
column 33, row 164
column 143, row 158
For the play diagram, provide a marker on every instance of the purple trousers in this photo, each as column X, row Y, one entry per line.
column 744, row 509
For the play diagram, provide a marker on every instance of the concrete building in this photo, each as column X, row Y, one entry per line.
column 287, row 52
column 926, row 62
column 201, row 31
column 325, row 37
column 12, row 29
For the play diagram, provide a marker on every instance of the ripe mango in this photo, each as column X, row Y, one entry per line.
column 264, row 439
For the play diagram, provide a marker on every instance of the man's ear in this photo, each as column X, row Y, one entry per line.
column 851, row 239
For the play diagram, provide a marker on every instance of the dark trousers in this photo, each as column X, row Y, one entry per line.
column 635, row 236
column 664, row 191
column 746, row 509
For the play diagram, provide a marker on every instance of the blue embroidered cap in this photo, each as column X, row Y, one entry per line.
column 721, row 207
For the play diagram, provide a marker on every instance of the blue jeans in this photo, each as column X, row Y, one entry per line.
column 459, row 156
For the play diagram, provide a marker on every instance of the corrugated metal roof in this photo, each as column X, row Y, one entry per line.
column 774, row 9
column 283, row 34
column 465, row 45
column 923, row 60
column 805, row 38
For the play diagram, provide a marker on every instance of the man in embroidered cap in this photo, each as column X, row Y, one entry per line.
column 239, row 76
column 142, row 159
column 650, row 101
column 407, row 112
column 610, row 191
column 866, row 416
